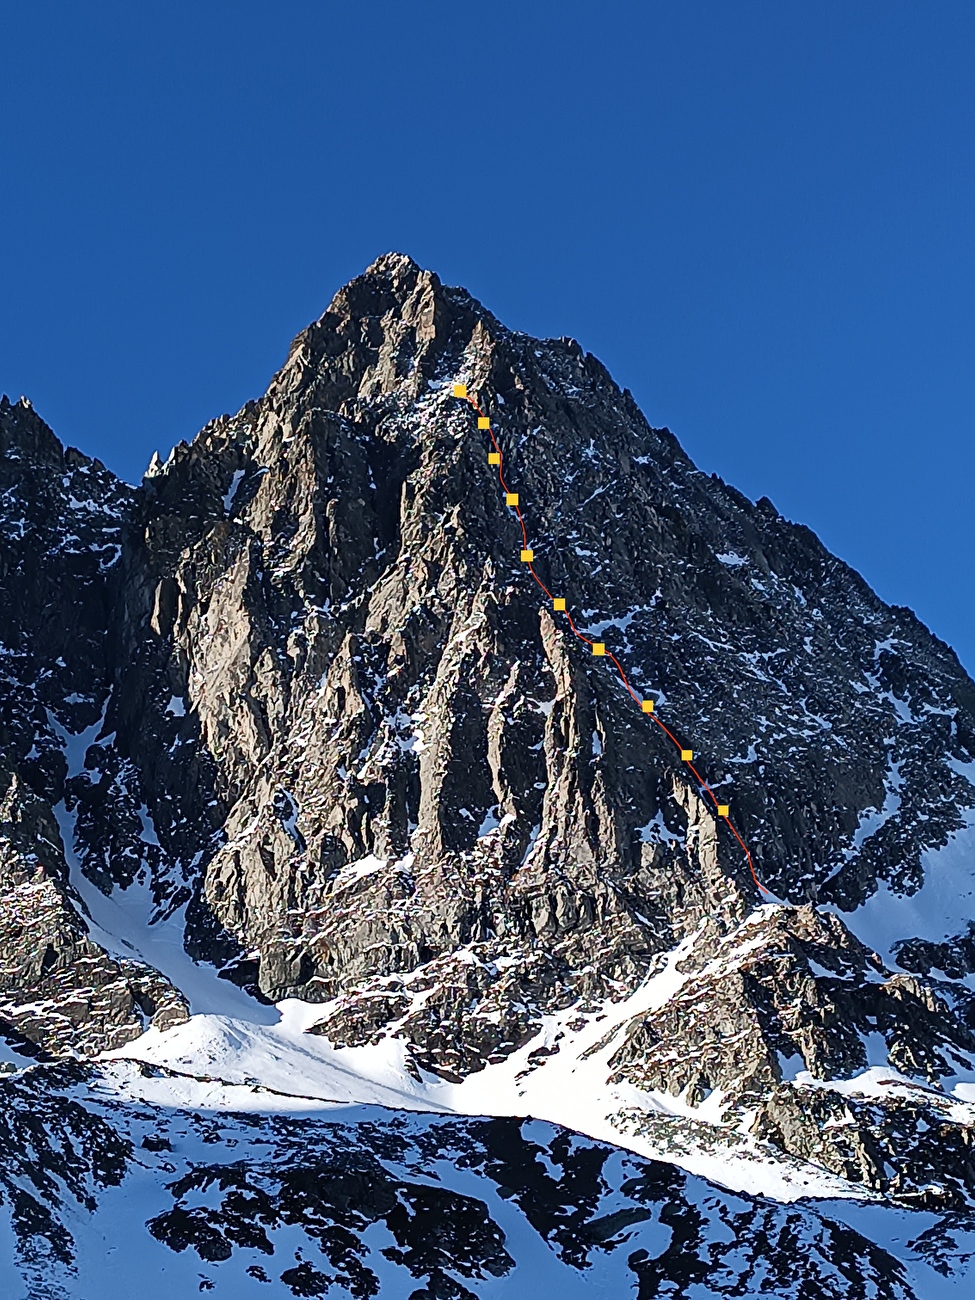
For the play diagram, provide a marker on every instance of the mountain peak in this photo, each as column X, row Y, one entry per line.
column 392, row 329
column 317, row 707
column 394, row 264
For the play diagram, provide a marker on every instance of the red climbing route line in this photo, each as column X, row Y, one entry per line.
column 597, row 647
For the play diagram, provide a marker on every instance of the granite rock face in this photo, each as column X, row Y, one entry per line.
column 298, row 689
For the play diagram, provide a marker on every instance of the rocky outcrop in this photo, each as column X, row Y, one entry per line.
column 59, row 992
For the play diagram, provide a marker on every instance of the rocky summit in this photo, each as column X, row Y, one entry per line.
column 360, row 933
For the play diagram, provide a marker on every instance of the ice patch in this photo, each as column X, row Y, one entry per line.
column 790, row 1067
column 876, row 1049
column 656, row 832
column 872, row 820
column 235, row 482
column 489, row 824
column 619, row 621
column 419, row 742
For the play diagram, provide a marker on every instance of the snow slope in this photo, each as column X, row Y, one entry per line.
column 940, row 909
column 570, row 1087
column 211, row 1201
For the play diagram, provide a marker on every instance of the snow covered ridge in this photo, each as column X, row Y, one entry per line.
column 178, row 1183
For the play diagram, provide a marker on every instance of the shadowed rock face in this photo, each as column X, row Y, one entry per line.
column 333, row 717
column 62, row 518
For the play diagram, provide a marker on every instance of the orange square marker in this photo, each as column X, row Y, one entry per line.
column 558, row 604
column 483, row 422
column 647, row 706
column 494, row 458
column 724, row 810
column 460, row 390
column 511, row 498
column 599, row 647
column 686, row 755
column 528, row 556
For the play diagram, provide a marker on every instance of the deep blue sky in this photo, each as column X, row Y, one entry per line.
column 759, row 215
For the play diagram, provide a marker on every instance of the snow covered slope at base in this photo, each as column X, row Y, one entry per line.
column 569, row 1085
column 162, row 1186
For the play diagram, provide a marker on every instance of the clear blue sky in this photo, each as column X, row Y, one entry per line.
column 760, row 215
